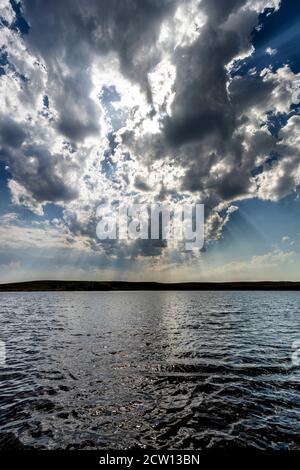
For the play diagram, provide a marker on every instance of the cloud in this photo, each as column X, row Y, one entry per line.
column 270, row 51
column 7, row 13
column 15, row 234
column 287, row 239
column 274, row 265
column 283, row 177
column 138, row 101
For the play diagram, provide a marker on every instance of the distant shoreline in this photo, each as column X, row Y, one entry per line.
column 71, row 286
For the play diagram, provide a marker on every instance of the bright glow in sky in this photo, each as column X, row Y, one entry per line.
column 165, row 101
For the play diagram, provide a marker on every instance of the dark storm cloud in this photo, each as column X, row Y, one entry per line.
column 203, row 129
column 72, row 31
column 11, row 133
column 124, row 26
column 78, row 116
column 41, row 173
column 249, row 90
column 218, row 11
column 202, row 107
column 141, row 184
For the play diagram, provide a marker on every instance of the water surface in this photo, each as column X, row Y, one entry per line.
column 150, row 369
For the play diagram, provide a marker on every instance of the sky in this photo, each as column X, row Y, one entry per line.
column 149, row 101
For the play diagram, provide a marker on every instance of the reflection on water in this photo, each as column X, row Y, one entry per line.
column 149, row 369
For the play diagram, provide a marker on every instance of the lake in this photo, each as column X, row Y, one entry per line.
column 174, row 370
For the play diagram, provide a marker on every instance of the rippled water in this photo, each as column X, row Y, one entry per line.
column 150, row 369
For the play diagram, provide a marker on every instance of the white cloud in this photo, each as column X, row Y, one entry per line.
column 274, row 265
column 6, row 11
column 271, row 51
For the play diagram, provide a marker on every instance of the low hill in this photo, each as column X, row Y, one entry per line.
column 35, row 286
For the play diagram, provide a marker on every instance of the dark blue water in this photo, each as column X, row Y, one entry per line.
column 150, row 369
